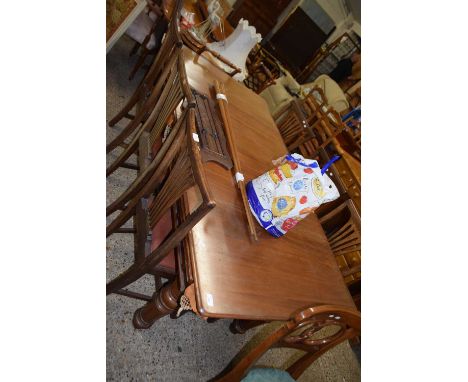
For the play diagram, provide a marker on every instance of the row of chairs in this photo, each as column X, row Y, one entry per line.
column 168, row 163
column 312, row 128
column 309, row 126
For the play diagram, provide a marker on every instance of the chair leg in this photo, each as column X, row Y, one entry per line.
column 124, row 156
column 134, row 49
column 139, row 63
column 124, row 279
column 157, row 282
column 241, row 326
column 136, row 96
column 117, row 141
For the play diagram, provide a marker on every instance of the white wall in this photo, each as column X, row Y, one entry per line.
column 337, row 12
column 333, row 8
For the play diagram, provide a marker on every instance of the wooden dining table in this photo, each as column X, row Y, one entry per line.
column 234, row 276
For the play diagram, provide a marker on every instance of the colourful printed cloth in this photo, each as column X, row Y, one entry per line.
column 283, row 196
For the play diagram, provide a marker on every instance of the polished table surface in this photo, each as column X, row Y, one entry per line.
column 235, row 277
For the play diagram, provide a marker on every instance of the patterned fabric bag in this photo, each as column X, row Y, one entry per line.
column 285, row 195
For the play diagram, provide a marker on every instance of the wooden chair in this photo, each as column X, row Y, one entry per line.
column 322, row 119
column 292, row 125
column 300, row 332
column 351, row 136
column 191, row 42
column 147, row 31
column 168, row 93
column 155, row 198
column 348, row 168
column 342, row 226
column 139, row 99
column 304, row 126
column 347, row 171
column 262, row 68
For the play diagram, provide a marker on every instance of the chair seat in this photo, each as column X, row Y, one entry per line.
column 335, row 95
column 276, row 97
column 140, row 28
column 267, row 375
column 160, row 231
column 162, row 228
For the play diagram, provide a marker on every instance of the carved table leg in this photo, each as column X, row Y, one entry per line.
column 164, row 302
column 241, row 326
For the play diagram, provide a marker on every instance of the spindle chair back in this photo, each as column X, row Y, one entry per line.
column 263, row 69
column 342, row 226
column 175, row 168
column 170, row 44
column 292, row 125
column 169, row 92
column 308, row 125
column 325, row 124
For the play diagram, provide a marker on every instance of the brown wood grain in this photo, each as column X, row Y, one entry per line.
column 235, row 277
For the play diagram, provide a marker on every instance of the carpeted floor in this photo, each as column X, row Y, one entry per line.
column 187, row 349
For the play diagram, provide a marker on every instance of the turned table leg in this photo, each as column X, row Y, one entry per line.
column 164, row 302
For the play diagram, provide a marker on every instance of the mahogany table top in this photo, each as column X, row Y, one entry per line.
column 235, row 277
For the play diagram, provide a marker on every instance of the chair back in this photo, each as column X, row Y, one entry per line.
column 308, row 125
column 301, row 333
column 292, row 125
column 168, row 93
column 352, row 133
column 342, row 226
column 324, row 122
column 262, row 69
column 176, row 167
column 171, row 40
column 171, row 43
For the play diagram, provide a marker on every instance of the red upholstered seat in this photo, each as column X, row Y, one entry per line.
column 160, row 231
column 162, row 228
